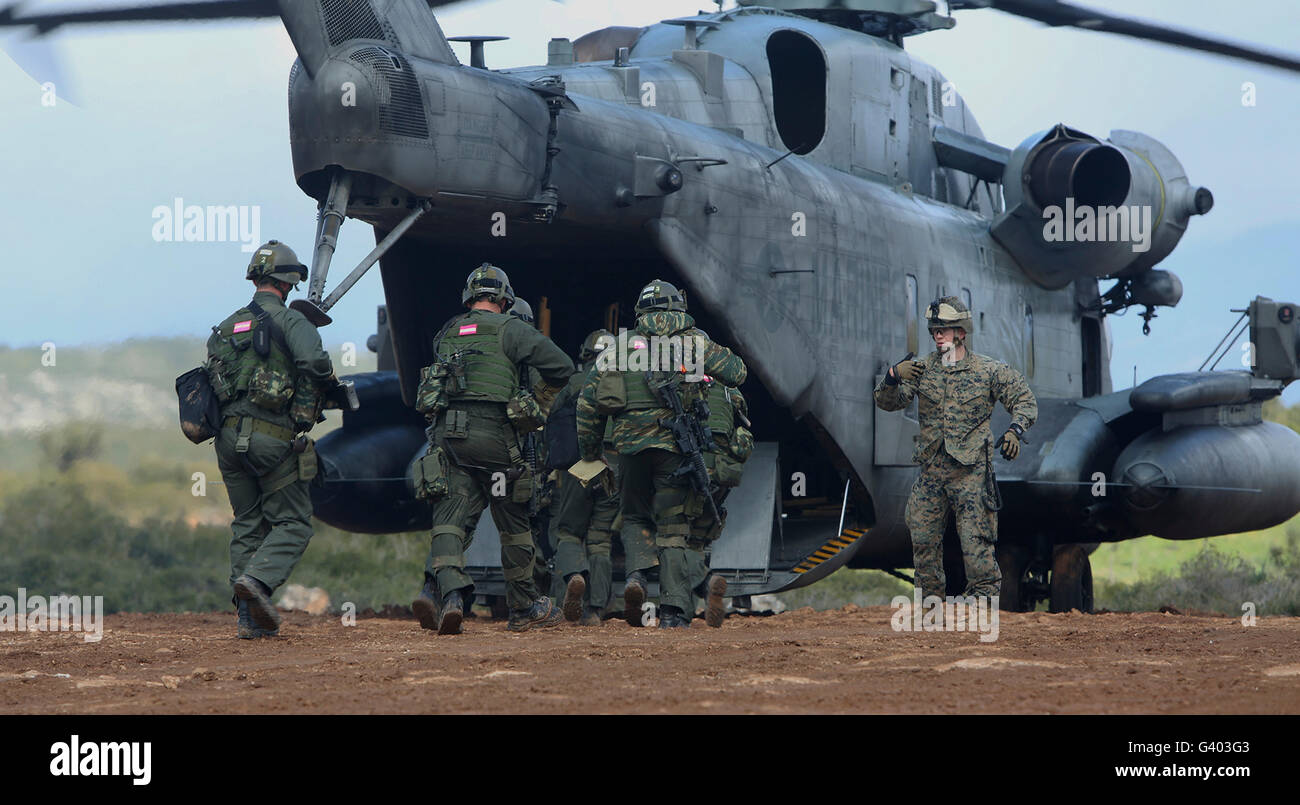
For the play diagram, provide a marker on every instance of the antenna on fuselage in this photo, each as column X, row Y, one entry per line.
column 783, row 156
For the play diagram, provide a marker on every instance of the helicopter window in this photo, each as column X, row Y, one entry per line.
column 798, row 90
column 1029, row 341
column 912, row 345
column 965, row 297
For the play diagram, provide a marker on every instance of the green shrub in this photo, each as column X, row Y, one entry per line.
column 1213, row 581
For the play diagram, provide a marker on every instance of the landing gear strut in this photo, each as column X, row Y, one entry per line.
column 1061, row 575
column 1071, row 579
column 333, row 211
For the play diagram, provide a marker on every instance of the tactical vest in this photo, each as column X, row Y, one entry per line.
column 490, row 376
column 639, row 395
column 234, row 364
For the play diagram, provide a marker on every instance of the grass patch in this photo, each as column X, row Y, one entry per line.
column 1216, row 580
column 864, row 588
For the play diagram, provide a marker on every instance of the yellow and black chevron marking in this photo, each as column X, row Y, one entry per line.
column 828, row 550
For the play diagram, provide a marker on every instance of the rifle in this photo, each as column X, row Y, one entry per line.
column 340, row 394
column 690, row 431
column 529, row 446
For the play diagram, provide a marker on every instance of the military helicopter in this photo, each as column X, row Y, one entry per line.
column 812, row 186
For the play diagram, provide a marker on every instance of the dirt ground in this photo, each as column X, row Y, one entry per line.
column 842, row 661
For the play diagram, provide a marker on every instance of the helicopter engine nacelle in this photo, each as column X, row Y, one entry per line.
column 1081, row 207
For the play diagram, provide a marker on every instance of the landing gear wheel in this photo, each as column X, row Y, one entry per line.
column 500, row 610
column 1071, row 579
column 1014, row 597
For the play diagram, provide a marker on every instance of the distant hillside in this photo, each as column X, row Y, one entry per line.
column 129, row 388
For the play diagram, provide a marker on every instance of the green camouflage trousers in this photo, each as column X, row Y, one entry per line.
column 660, row 506
column 945, row 485
column 477, row 479
column 582, row 532
column 271, row 529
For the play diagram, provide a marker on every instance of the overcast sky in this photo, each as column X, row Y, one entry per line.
column 197, row 112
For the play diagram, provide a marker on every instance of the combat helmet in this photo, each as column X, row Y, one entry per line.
column 589, row 350
column 274, row 260
column 949, row 312
column 660, row 295
column 488, row 281
column 522, row 310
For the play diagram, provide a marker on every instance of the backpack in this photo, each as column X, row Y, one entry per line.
column 200, row 413
column 562, row 435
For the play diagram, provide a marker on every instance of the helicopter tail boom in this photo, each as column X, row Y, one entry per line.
column 317, row 27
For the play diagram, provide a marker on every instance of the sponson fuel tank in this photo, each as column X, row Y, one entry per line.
column 1161, row 467
column 362, row 483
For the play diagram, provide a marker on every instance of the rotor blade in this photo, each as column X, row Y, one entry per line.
column 1056, row 13
column 212, row 10
column 39, row 58
column 162, row 12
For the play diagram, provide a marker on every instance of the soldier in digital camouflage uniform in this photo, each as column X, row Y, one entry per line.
column 582, row 523
column 473, row 398
column 657, row 497
column 956, row 390
column 266, row 400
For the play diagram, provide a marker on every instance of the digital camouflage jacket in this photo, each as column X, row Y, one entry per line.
column 954, row 404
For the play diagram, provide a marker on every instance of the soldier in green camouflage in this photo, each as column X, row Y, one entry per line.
column 732, row 444
column 543, row 489
column 956, row 390
column 472, row 396
column 657, row 496
column 267, row 368
column 582, row 524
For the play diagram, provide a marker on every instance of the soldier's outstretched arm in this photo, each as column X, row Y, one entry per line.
column 591, row 424
column 722, row 364
column 1012, row 390
column 309, row 355
column 893, row 396
column 524, row 344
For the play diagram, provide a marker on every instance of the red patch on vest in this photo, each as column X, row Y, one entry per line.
column 468, row 329
column 243, row 326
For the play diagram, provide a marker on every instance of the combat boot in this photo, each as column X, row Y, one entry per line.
column 715, row 606
column 245, row 630
column 591, row 616
column 258, row 597
column 573, row 592
column 425, row 606
column 671, row 617
column 633, row 597
column 453, row 610
column 541, row 614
